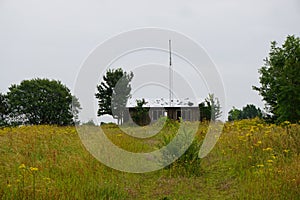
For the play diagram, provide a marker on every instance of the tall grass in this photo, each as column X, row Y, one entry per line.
column 252, row 160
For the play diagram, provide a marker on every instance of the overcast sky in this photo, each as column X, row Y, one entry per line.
column 53, row 38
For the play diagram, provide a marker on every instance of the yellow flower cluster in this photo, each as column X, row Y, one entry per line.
column 286, row 150
column 248, row 135
column 22, row 166
column 286, row 123
column 268, row 149
column 33, row 169
column 259, row 142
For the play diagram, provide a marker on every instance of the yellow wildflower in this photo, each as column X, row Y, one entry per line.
column 260, row 165
column 248, row 135
column 22, row 166
column 270, row 161
column 286, row 123
column 258, row 143
column 286, row 150
column 34, row 169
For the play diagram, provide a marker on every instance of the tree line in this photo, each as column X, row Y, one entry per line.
column 38, row 101
column 44, row 101
column 280, row 89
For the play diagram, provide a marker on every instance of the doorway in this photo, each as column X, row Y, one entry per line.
column 178, row 116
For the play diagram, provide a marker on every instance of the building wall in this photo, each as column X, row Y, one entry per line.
column 186, row 113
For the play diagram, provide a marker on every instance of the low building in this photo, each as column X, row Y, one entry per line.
column 186, row 110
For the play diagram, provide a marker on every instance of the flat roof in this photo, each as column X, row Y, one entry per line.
column 164, row 103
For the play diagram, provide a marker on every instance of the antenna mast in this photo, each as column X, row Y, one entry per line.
column 170, row 76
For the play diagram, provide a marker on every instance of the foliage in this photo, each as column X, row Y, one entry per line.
column 280, row 83
column 234, row 114
column 140, row 115
column 205, row 111
column 113, row 92
column 210, row 109
column 188, row 164
column 248, row 112
column 41, row 101
column 3, row 110
column 75, row 109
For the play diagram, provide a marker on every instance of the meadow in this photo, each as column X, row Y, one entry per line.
column 251, row 160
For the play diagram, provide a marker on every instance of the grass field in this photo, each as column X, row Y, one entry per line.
column 251, row 160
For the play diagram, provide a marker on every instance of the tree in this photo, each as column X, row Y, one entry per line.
column 75, row 109
column 280, row 82
column 205, row 111
column 113, row 93
column 214, row 104
column 141, row 114
column 248, row 112
column 41, row 101
column 210, row 109
column 234, row 114
column 3, row 110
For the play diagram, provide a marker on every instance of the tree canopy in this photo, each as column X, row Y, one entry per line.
column 113, row 92
column 141, row 114
column 234, row 114
column 280, row 82
column 210, row 109
column 3, row 110
column 41, row 101
column 247, row 112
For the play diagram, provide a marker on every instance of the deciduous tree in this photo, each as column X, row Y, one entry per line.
column 41, row 101
column 141, row 114
column 280, row 82
column 234, row 114
column 248, row 112
column 113, row 93
column 210, row 109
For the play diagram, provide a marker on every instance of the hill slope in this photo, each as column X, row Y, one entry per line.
column 251, row 160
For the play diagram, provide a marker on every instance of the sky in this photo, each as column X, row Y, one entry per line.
column 52, row 39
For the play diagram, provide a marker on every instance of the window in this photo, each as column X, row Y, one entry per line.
column 178, row 114
column 186, row 115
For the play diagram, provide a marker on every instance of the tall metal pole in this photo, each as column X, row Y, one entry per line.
column 170, row 76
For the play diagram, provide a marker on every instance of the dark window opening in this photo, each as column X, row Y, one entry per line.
column 178, row 114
